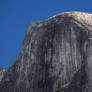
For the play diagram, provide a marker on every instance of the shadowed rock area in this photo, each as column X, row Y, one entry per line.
column 56, row 56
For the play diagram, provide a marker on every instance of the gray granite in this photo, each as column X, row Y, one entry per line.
column 56, row 56
column 2, row 73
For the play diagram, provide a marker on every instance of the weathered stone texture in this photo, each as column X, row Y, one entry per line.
column 2, row 73
column 56, row 57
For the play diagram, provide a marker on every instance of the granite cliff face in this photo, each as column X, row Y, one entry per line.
column 2, row 73
column 56, row 57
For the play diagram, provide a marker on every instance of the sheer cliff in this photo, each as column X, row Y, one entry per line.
column 56, row 56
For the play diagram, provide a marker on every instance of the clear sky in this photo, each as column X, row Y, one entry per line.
column 16, row 15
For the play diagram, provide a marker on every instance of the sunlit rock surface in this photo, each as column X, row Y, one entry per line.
column 2, row 73
column 56, row 56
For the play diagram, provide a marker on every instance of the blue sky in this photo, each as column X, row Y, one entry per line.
column 16, row 15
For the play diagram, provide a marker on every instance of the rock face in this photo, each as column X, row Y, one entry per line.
column 2, row 73
column 56, row 57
